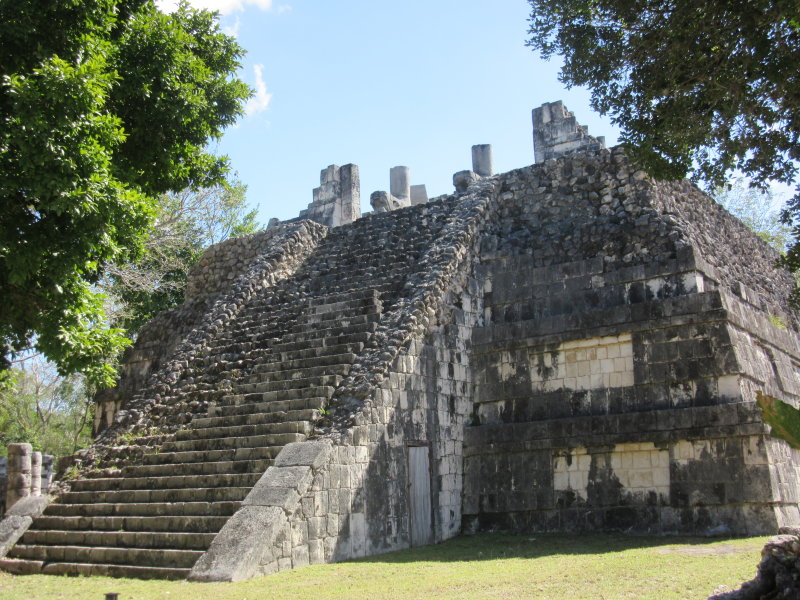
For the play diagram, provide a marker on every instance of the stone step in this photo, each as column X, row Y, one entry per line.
column 300, row 353
column 342, row 308
column 235, row 454
column 351, row 297
column 310, row 415
column 288, row 384
column 243, row 407
column 274, row 439
column 303, row 427
column 31, row 567
column 186, row 524
column 198, row 468
column 168, row 482
column 322, row 391
column 173, row 495
column 313, row 340
column 126, row 539
column 333, row 320
column 144, row 557
column 316, row 362
column 326, row 316
column 269, row 342
column 298, row 373
column 144, row 509
column 330, row 329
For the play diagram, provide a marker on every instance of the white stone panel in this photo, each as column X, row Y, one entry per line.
column 602, row 362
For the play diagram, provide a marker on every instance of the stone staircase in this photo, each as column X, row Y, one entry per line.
column 265, row 379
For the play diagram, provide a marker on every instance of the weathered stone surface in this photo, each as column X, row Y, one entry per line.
column 556, row 132
column 482, row 162
column 308, row 454
column 337, row 200
column 11, row 529
column 241, row 546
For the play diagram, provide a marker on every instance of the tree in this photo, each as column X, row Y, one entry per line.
column 40, row 407
column 759, row 210
column 700, row 87
column 104, row 105
column 186, row 224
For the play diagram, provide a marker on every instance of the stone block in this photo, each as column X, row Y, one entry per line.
column 264, row 496
column 309, row 454
column 241, row 546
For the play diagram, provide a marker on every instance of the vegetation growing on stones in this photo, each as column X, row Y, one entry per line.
column 701, row 88
column 783, row 418
column 104, row 105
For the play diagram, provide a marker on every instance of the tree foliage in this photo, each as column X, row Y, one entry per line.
column 760, row 210
column 104, row 105
column 705, row 87
column 42, row 408
column 186, row 223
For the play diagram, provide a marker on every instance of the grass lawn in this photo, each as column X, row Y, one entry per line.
column 492, row 566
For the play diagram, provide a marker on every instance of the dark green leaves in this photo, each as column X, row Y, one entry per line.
column 698, row 87
column 104, row 104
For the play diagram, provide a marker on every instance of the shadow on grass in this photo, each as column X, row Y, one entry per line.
column 492, row 546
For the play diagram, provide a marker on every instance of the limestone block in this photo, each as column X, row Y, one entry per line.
column 310, row 454
column 482, row 160
column 380, row 201
column 400, row 185
column 241, row 546
column 419, row 194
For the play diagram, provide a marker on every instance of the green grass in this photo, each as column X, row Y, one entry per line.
column 494, row 566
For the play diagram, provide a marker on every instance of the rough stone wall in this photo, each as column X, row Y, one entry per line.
column 616, row 369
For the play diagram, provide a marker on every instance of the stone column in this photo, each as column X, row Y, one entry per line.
column 19, row 473
column 400, row 185
column 36, row 474
column 47, row 472
column 482, row 160
column 350, row 200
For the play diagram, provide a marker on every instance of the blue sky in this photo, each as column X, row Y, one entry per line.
column 381, row 84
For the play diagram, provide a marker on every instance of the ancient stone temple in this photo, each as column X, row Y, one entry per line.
column 569, row 346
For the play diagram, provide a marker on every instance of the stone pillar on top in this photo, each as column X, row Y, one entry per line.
column 482, row 166
column 400, row 186
column 556, row 132
column 482, row 163
column 337, row 200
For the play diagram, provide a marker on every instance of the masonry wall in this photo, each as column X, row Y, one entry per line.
column 616, row 370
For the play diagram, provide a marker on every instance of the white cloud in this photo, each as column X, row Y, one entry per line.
column 261, row 99
column 232, row 30
column 225, row 7
column 283, row 8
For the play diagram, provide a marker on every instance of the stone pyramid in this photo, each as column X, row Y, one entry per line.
column 569, row 346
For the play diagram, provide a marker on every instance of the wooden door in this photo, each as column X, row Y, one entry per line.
column 419, row 488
